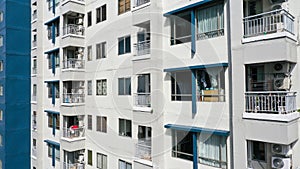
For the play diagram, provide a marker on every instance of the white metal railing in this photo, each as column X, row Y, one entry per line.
column 33, row 151
column 73, row 165
column 142, row 99
column 73, row 63
column 269, row 22
column 142, row 48
column 210, row 34
column 140, row 2
column 73, row 98
column 276, row 102
column 143, row 150
column 73, row 133
column 73, row 29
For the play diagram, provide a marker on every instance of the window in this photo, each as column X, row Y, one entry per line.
column 1, row 16
column 1, row 90
column 56, row 151
column 0, row 164
column 89, row 18
column 34, row 66
column 125, row 127
column 89, row 53
column 124, row 45
column 123, row 6
column 144, row 133
column 212, row 150
column 253, row 7
column 51, row 118
column 182, row 145
column 101, row 161
column 34, row 143
column 101, row 50
column 124, row 165
column 181, row 28
column 34, row 92
column 89, row 87
column 101, row 124
column 101, row 87
column 124, row 86
column 257, row 150
column 210, row 21
column 1, row 115
column 56, row 59
column 0, row 139
column 211, row 84
column 90, row 122
column 50, row 4
column 50, row 30
column 56, row 89
column 34, row 121
column 90, row 157
column 181, row 86
column 1, row 40
column 1, row 65
column 101, row 14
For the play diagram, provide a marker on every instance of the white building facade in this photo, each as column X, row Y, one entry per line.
column 122, row 84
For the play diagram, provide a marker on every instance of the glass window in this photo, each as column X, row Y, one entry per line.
column 182, row 145
column 210, row 21
column 123, row 6
column 101, row 124
column 90, row 157
column 101, row 87
column 212, row 150
column 89, row 18
column 125, row 127
column 90, row 122
column 89, row 53
column 124, row 86
column 101, row 14
column 0, row 139
column 181, row 86
column 89, row 87
column 1, row 115
column 56, row 60
column 124, row 44
column 101, row 161
column 34, row 121
column 1, row 90
column 1, row 40
column 51, row 118
column 181, row 28
column 1, row 16
column 101, row 50
column 124, row 165
column 56, row 89
column 257, row 150
column 1, row 65
column 211, row 84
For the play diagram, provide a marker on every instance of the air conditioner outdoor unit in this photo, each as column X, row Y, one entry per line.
column 280, row 149
column 281, row 163
column 281, row 68
column 282, row 83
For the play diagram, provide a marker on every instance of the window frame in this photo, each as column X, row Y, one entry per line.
column 179, row 20
column 126, row 89
column 101, row 50
column 101, row 13
column 100, row 161
column 89, row 19
column 126, row 164
column 89, row 87
column 90, row 157
column 101, row 124
column 90, row 53
column 100, row 85
column 126, row 8
column 123, row 43
column 125, row 133
column 50, row 121
column 90, row 122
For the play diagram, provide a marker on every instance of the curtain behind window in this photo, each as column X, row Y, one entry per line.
column 210, row 19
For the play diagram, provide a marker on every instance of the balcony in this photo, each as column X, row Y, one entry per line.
column 142, row 47
column 143, row 150
column 73, row 64
column 73, row 132
column 138, row 3
column 271, row 105
column 142, row 99
column 278, row 22
column 73, row 29
column 73, row 98
column 73, row 165
column 73, row 160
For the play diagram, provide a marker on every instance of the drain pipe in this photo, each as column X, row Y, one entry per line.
column 228, row 16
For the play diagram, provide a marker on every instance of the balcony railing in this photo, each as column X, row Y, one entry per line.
column 274, row 102
column 141, row 2
column 73, row 133
column 142, row 99
column 73, row 165
column 142, row 48
column 269, row 22
column 143, row 150
column 73, row 64
column 73, row 98
column 73, row 29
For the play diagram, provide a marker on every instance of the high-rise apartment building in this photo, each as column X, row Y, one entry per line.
column 152, row 84
column 14, row 84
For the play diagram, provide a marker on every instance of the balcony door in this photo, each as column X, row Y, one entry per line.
column 144, row 84
column 252, row 7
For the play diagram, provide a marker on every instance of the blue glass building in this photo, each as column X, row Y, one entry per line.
column 15, row 84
